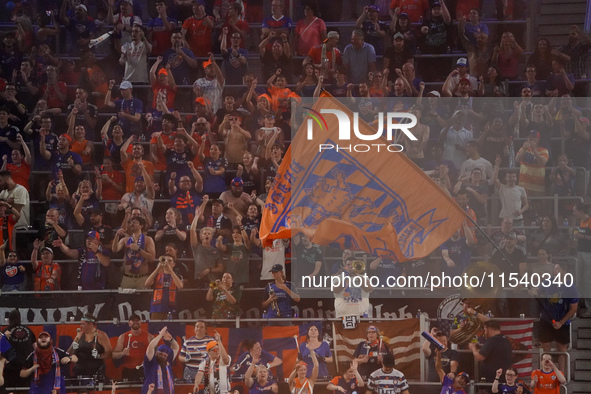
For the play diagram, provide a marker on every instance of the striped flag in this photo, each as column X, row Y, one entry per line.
column 401, row 336
column 520, row 333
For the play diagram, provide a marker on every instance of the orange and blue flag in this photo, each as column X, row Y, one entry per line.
column 377, row 202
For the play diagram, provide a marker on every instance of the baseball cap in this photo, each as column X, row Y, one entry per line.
column 218, row 201
column 125, row 85
column 403, row 15
column 43, row 333
column 46, row 248
column 206, row 63
column 399, row 35
column 465, row 375
column 388, row 360
column 96, row 212
column 66, row 136
column 162, row 71
column 276, row 268
column 93, row 234
column 139, row 179
column 372, row 328
column 200, row 100
column 511, row 235
column 210, row 345
column 332, row 34
column 237, row 182
column 462, row 62
column 534, row 133
column 434, row 93
column 373, row 8
column 436, row 4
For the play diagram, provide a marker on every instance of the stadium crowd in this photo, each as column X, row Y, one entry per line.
column 142, row 144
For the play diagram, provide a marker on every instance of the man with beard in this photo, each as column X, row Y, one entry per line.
column 158, row 364
column 435, row 38
column 21, row 338
column 214, row 368
column 131, row 347
column 45, row 363
column 236, row 196
column 186, row 196
column 131, row 165
column 64, row 160
column 94, row 222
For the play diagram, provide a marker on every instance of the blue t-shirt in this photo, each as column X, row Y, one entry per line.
column 446, row 387
column 181, row 71
column 214, row 183
column 151, row 375
column 9, row 132
column 266, row 358
column 130, row 107
column 323, row 351
column 557, row 301
column 459, row 252
column 177, row 162
column 233, row 69
column 283, row 300
column 11, row 274
column 60, row 162
column 91, row 274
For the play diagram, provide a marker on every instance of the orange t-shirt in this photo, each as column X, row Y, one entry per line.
column 414, row 8
column 109, row 192
column 169, row 92
column 548, row 382
column 160, row 163
column 132, row 170
column 78, row 147
column 20, row 173
column 198, row 35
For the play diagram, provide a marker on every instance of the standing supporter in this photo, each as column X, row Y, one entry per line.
column 548, row 379
column 123, row 21
column 214, row 182
column 401, row 24
column 273, row 254
column 169, row 124
column 93, row 77
column 581, row 214
column 194, row 350
column 35, row 127
column 81, row 27
column 180, row 155
column 236, row 196
column 214, row 369
column 134, row 166
column 494, row 141
column 540, row 120
column 225, row 295
column 197, row 30
column 129, row 109
column 532, row 159
column 134, row 56
column 93, row 222
column 254, row 355
column 158, row 363
column 577, row 141
column 326, row 56
column 496, row 351
column 22, row 339
column 370, row 353
column 298, row 382
column 542, row 57
column 374, row 30
column 8, row 218
column 80, row 145
column 139, row 251
column 248, row 170
column 457, row 75
column 208, row 260
column 479, row 53
column 91, row 346
column 510, row 385
column 163, row 84
column 277, row 22
column 17, row 197
column 51, row 230
column 45, row 364
column 91, row 260
column 548, row 237
column 173, row 232
column 310, row 31
column 456, row 251
column 12, row 271
column 54, row 91
column 455, row 137
column 166, row 282
column 506, row 56
column 238, row 252
column 475, row 161
column 387, row 379
column 160, row 29
column 558, row 82
column 453, row 385
column 235, row 23
column 359, row 57
column 20, row 166
column 446, row 357
column 476, row 191
column 397, row 55
column 235, row 58
column 87, row 113
column 212, row 85
column 262, row 382
column 8, row 133
column 27, row 85
column 131, row 347
column 349, row 382
column 217, row 220
column 278, row 57
column 414, row 10
column 180, row 59
column 186, row 197
column 91, row 199
column 113, row 184
column 278, row 295
column 10, row 55
column 474, row 25
column 48, row 274
column 513, row 198
column 435, row 39
column 574, row 53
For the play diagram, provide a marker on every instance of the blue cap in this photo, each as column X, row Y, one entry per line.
column 237, row 182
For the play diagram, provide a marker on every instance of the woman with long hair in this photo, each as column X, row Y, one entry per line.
column 308, row 80
column 542, row 58
column 506, row 56
column 547, row 236
column 298, row 382
column 315, row 344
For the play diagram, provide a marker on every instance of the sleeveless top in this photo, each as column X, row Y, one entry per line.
column 304, row 387
column 133, row 257
column 88, row 365
column 137, row 348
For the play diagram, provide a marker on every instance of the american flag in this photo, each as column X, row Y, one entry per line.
column 401, row 336
column 520, row 333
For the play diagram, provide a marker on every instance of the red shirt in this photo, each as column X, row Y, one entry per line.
column 109, row 192
column 169, row 92
column 52, row 100
column 20, row 173
column 160, row 163
column 316, row 53
column 414, row 8
column 241, row 25
column 198, row 35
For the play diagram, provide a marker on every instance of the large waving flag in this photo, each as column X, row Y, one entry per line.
column 378, row 202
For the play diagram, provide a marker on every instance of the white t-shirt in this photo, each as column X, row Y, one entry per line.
column 511, row 201
column 216, row 375
column 484, row 165
column 21, row 197
column 212, row 91
column 136, row 62
column 272, row 255
column 381, row 382
column 351, row 301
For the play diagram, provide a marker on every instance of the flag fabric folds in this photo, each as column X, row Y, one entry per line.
column 377, row 202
